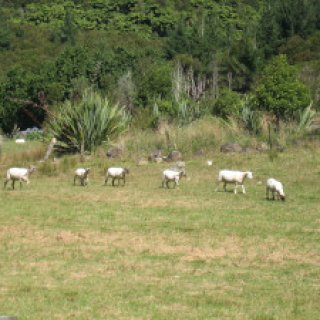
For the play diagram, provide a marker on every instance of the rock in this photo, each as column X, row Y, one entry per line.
column 158, row 160
column 280, row 148
column 142, row 162
column 175, row 156
column 231, row 147
column 297, row 142
column 180, row 164
column 114, row 152
column 263, row 147
column 154, row 155
column 250, row 149
column 199, row 153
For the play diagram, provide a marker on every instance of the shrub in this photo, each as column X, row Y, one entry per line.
column 228, row 104
column 305, row 118
column 279, row 91
column 85, row 124
column 251, row 119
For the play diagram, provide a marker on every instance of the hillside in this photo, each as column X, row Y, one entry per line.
column 139, row 53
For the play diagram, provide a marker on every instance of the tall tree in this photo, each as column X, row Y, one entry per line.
column 4, row 30
column 279, row 90
column 69, row 30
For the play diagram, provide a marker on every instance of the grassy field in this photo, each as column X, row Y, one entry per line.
column 143, row 252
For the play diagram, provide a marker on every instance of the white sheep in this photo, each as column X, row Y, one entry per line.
column 173, row 175
column 81, row 174
column 235, row 177
column 18, row 174
column 275, row 186
column 116, row 174
column 20, row 140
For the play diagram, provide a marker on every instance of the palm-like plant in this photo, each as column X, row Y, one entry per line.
column 85, row 124
column 305, row 118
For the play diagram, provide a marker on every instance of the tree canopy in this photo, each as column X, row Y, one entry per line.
column 160, row 52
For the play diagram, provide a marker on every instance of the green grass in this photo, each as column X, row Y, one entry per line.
column 143, row 252
column 14, row 154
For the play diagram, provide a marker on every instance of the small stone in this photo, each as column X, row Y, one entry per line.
column 231, row 147
column 175, row 155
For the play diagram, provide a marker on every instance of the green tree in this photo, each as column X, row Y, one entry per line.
column 279, row 91
column 156, row 83
column 228, row 104
column 69, row 30
column 23, row 100
column 4, row 30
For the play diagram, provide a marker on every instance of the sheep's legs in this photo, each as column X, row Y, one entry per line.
column 243, row 189
column 113, row 180
column 106, row 180
column 168, row 186
column 235, row 188
column 5, row 183
column 165, row 182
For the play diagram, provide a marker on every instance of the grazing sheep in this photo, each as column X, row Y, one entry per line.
column 82, row 175
column 275, row 186
column 116, row 174
column 173, row 175
column 18, row 174
column 235, row 177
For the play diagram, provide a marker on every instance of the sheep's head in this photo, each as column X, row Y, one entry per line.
column 249, row 175
column 282, row 196
column 87, row 170
column 126, row 170
column 31, row 169
column 182, row 172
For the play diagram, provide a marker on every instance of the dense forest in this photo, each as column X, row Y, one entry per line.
column 174, row 59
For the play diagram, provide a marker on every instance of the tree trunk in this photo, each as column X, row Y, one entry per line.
column 82, row 151
column 50, row 149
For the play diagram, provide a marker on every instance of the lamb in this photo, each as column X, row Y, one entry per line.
column 275, row 186
column 81, row 174
column 18, row 174
column 174, row 174
column 116, row 174
column 235, row 177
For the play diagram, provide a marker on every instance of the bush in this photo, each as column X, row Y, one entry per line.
column 279, row 90
column 228, row 104
column 85, row 124
column 251, row 118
